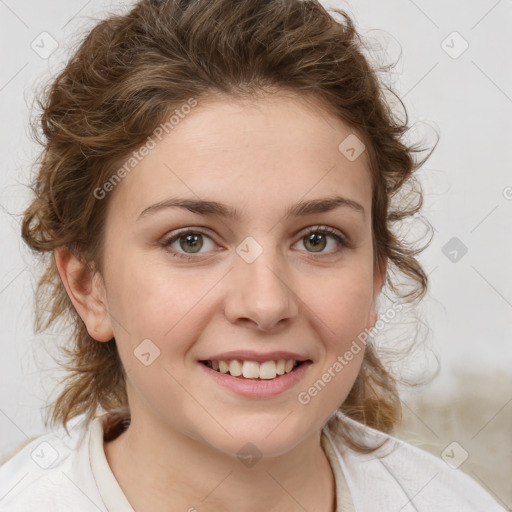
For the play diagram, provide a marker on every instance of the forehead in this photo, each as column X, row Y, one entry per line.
column 270, row 151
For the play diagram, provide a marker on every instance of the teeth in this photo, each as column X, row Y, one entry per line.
column 268, row 370
column 223, row 367
column 235, row 368
column 252, row 369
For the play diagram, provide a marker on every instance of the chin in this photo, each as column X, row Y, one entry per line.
column 269, row 437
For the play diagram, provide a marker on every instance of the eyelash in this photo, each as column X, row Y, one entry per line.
column 323, row 230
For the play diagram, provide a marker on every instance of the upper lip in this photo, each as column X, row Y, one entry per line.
column 250, row 355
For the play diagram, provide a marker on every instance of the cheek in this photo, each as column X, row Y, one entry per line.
column 340, row 315
column 155, row 300
column 342, row 304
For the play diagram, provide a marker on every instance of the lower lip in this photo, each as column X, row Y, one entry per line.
column 256, row 388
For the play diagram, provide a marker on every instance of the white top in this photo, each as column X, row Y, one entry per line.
column 60, row 473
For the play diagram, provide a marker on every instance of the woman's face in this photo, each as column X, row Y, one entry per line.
column 253, row 282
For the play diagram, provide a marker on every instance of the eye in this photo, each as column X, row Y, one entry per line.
column 187, row 240
column 316, row 238
column 192, row 241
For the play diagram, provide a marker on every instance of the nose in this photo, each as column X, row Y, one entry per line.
column 260, row 293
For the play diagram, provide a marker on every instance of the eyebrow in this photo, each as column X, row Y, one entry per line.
column 208, row 208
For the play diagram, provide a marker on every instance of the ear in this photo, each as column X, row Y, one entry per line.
column 86, row 291
column 379, row 277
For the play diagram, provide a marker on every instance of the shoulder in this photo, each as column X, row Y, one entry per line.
column 399, row 473
column 51, row 473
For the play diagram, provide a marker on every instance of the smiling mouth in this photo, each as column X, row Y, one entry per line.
column 253, row 370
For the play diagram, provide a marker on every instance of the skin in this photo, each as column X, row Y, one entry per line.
column 260, row 156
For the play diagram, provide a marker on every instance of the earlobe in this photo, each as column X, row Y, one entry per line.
column 86, row 291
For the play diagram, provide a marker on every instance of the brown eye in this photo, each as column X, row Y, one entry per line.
column 192, row 241
column 317, row 239
column 189, row 243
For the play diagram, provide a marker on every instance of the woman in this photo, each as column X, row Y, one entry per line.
column 217, row 189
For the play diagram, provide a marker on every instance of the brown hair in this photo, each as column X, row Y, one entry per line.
column 128, row 75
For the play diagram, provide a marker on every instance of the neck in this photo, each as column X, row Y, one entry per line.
column 187, row 474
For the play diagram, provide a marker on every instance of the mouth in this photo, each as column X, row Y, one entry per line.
column 253, row 370
column 257, row 380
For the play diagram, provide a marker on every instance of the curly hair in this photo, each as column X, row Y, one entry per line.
column 127, row 76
